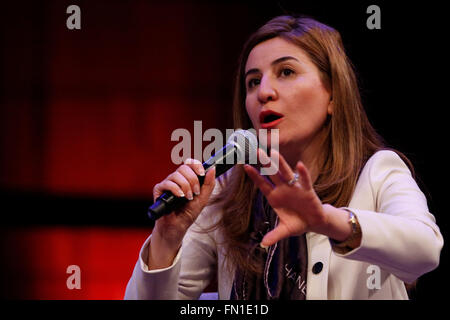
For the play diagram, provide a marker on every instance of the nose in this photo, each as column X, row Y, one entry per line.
column 266, row 90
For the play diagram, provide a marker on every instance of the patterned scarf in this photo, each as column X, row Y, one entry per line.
column 284, row 264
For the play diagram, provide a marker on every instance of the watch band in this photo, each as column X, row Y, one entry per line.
column 354, row 240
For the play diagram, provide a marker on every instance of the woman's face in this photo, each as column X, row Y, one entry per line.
column 285, row 92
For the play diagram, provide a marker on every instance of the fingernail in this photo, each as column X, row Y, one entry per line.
column 263, row 246
column 196, row 190
column 181, row 194
column 189, row 196
column 202, row 172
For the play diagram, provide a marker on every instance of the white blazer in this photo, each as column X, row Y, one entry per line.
column 400, row 242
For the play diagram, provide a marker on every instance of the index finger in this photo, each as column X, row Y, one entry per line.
column 263, row 185
column 282, row 172
column 196, row 165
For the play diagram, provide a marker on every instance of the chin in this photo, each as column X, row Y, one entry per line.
column 265, row 141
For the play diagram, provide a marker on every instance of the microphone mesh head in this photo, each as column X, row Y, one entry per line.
column 246, row 143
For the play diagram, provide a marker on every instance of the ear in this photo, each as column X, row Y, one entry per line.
column 330, row 107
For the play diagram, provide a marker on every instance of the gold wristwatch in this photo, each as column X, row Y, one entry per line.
column 353, row 241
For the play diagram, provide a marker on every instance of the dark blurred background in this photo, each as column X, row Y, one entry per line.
column 86, row 118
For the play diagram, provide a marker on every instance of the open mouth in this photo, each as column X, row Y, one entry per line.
column 269, row 118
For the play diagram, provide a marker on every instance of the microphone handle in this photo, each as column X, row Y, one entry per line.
column 168, row 202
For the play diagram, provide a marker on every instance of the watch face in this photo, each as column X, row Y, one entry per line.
column 354, row 222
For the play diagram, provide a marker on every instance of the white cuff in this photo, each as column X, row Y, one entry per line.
column 143, row 258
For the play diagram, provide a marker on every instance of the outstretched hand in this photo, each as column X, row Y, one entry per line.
column 297, row 205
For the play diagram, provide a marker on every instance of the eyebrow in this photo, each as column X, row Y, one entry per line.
column 279, row 60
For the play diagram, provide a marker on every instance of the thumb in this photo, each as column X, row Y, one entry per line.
column 208, row 185
column 277, row 234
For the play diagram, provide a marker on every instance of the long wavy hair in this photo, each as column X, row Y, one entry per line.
column 350, row 138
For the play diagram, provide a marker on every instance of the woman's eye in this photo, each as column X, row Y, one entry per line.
column 252, row 82
column 286, row 72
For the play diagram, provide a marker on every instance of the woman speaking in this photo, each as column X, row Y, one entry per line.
column 342, row 218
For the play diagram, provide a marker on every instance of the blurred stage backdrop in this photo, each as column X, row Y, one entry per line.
column 86, row 118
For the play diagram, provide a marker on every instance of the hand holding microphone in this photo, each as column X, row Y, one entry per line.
column 241, row 146
column 188, row 198
column 184, row 193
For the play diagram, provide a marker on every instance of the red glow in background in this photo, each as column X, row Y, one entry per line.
column 41, row 256
column 88, row 114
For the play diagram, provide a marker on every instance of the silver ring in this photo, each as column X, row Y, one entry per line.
column 293, row 180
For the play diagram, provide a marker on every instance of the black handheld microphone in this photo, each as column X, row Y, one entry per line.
column 241, row 147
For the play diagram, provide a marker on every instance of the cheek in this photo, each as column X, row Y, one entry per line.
column 311, row 100
column 309, row 108
column 251, row 111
